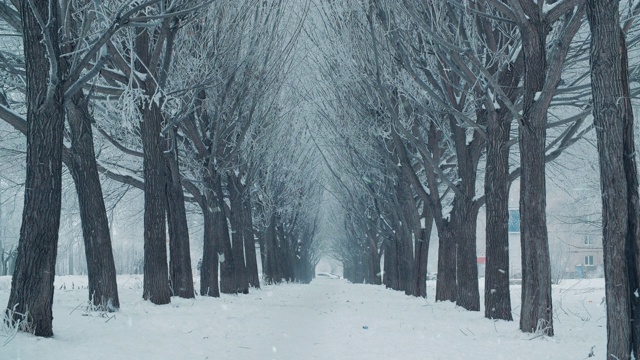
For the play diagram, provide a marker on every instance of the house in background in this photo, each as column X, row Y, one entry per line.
column 575, row 238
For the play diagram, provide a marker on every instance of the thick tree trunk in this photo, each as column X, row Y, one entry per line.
column 446, row 286
column 497, row 298
column 306, row 271
column 228, row 275
column 610, row 105
column 404, row 256
column 180, row 271
column 285, row 264
column 409, row 231
column 633, row 227
column 156, row 272
column 373, row 259
column 464, row 217
column 209, row 269
column 237, row 233
column 101, row 270
column 249, row 242
column 32, row 283
column 269, row 251
column 633, row 203
column 537, row 308
column 464, row 214
column 422, row 253
column 390, row 264
column 260, row 237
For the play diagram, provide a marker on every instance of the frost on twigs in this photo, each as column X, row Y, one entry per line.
column 12, row 322
column 101, row 310
column 542, row 329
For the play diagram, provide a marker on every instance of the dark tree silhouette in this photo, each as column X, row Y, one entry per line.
column 31, row 297
column 613, row 117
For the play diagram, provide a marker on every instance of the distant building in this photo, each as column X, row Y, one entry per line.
column 575, row 239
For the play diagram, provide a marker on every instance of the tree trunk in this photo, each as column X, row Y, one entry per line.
column 81, row 162
column 209, row 268
column 249, row 242
column 422, row 253
column 156, row 272
column 391, row 264
column 373, row 258
column 269, row 252
column 228, row 281
column 633, row 202
column 236, row 220
column 497, row 298
column 181, row 274
column 32, row 282
column 284, row 256
column 609, row 114
column 464, row 218
column 446, row 288
column 537, row 308
column 409, row 231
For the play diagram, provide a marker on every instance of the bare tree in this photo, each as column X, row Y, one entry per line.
column 79, row 156
column 541, row 74
column 31, row 296
column 613, row 117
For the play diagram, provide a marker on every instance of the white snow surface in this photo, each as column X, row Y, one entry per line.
column 327, row 319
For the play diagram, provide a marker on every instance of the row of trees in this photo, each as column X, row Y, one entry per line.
column 430, row 102
column 180, row 99
column 419, row 102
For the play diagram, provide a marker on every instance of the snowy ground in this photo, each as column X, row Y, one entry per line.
column 328, row 319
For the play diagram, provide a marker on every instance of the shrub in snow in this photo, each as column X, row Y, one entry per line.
column 100, row 310
column 12, row 322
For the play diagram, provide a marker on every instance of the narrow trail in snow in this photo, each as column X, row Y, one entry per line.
column 333, row 319
column 323, row 316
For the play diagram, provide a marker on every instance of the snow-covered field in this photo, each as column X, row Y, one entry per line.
column 328, row 319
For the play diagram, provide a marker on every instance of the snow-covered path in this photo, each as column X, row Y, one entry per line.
column 328, row 319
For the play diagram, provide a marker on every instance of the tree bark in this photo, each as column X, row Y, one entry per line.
column 609, row 114
column 464, row 214
column 180, row 271
column 32, row 283
column 270, row 252
column 284, row 254
column 446, row 286
column 237, row 234
column 537, row 307
column 422, row 253
column 156, row 272
column 249, row 240
column 103, row 288
column 407, row 232
column 373, row 259
column 390, row 278
column 497, row 298
column 464, row 218
column 229, row 283
column 209, row 285
column 633, row 202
